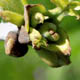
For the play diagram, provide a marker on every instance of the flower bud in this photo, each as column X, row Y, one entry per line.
column 36, row 19
column 56, row 54
column 55, row 36
column 62, row 45
column 48, row 30
column 37, row 39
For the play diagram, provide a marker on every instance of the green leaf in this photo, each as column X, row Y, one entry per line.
column 1, row 19
column 46, row 3
column 12, row 5
column 12, row 17
column 24, row 2
column 61, row 3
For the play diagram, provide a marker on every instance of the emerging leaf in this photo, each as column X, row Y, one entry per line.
column 12, row 17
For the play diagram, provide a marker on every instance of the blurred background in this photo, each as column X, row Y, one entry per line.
column 31, row 67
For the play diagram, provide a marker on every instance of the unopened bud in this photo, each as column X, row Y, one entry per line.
column 36, row 19
column 55, row 36
column 48, row 30
column 36, row 38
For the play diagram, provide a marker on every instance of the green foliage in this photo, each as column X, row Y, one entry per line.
column 1, row 19
column 30, row 66
column 46, row 3
column 61, row 3
column 12, row 5
column 12, row 17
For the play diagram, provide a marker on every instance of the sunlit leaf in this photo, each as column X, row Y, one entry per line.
column 12, row 5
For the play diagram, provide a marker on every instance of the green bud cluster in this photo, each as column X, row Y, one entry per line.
column 36, row 28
